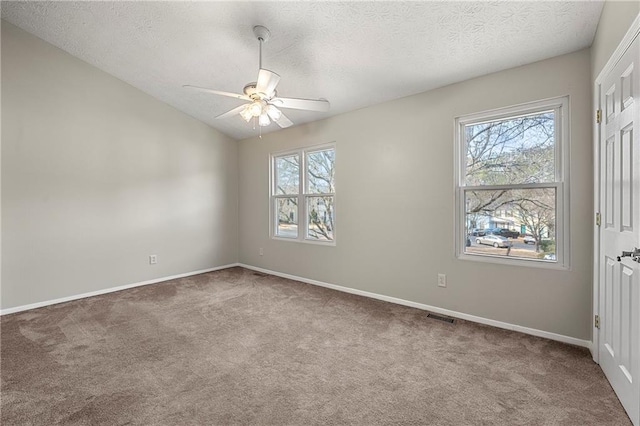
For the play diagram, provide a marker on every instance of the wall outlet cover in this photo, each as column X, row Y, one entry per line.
column 442, row 280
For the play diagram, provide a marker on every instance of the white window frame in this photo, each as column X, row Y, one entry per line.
column 302, row 196
column 560, row 106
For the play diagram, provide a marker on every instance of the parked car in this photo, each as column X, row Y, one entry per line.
column 504, row 232
column 494, row 240
column 528, row 239
column 477, row 232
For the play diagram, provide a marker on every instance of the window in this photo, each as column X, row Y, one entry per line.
column 303, row 195
column 512, row 185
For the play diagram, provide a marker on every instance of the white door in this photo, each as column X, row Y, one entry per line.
column 619, row 281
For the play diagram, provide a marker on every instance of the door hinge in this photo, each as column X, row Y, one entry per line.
column 599, row 116
column 598, row 219
column 596, row 321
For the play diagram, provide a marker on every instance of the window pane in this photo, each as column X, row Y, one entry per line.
column 287, row 214
column 320, row 171
column 511, row 151
column 320, row 218
column 287, row 174
column 528, row 232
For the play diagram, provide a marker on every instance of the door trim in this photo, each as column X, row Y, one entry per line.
column 625, row 43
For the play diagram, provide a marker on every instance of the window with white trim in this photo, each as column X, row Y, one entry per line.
column 512, row 185
column 303, row 195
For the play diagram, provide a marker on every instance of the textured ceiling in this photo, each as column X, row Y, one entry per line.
column 354, row 54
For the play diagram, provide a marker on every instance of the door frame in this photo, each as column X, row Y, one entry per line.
column 625, row 43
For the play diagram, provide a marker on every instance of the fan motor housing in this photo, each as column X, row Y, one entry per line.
column 250, row 90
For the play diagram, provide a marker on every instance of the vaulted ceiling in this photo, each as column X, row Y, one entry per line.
column 354, row 54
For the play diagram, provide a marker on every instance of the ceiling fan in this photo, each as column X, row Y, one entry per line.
column 264, row 102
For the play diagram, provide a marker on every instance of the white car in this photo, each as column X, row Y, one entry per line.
column 494, row 240
column 528, row 239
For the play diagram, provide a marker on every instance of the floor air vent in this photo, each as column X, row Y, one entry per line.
column 440, row 318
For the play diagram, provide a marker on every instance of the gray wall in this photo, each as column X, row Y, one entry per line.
column 394, row 183
column 615, row 19
column 97, row 175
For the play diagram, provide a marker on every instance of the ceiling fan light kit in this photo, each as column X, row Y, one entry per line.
column 264, row 120
column 263, row 97
column 245, row 114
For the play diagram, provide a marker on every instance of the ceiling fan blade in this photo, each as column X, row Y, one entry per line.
column 267, row 82
column 308, row 104
column 218, row 92
column 232, row 112
column 284, row 121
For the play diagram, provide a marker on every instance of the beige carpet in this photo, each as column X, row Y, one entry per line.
column 232, row 347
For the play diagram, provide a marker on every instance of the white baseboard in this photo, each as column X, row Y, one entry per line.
column 434, row 309
column 109, row 290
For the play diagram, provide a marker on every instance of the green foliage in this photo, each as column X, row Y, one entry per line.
column 548, row 246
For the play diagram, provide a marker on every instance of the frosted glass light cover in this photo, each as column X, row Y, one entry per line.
column 264, row 120
column 246, row 114
column 255, row 109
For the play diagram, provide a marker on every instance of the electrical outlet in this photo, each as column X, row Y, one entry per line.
column 153, row 259
column 261, row 251
column 442, row 280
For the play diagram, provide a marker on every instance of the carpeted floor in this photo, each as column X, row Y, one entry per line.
column 233, row 347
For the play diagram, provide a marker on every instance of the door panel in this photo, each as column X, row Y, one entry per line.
column 626, row 84
column 607, row 318
column 627, row 176
column 609, row 192
column 627, row 328
column 619, row 281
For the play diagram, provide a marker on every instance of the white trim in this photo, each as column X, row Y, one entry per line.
column 514, row 261
column 455, row 314
column 110, row 290
column 595, row 278
column 560, row 106
column 306, row 241
column 544, row 185
column 302, row 195
column 467, row 317
column 625, row 43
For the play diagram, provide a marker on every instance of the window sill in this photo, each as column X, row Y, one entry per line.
column 500, row 260
column 297, row 240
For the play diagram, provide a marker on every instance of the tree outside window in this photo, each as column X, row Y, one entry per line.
column 511, row 183
column 303, row 183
